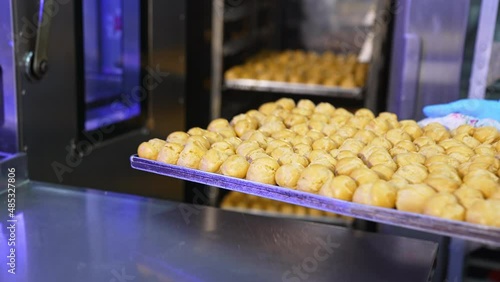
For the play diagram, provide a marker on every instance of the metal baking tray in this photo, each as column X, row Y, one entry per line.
column 459, row 229
column 294, row 88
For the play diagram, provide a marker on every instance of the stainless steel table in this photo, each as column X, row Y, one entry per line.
column 74, row 234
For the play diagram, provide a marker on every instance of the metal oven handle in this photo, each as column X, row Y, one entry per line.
column 37, row 62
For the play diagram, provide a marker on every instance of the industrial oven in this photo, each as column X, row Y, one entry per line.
column 83, row 82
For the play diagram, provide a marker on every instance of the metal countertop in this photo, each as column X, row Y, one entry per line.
column 76, row 234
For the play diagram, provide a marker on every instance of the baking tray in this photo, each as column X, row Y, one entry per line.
column 459, row 229
column 293, row 88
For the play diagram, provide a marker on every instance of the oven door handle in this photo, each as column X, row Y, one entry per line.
column 37, row 62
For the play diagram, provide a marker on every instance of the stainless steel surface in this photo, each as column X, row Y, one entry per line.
column 73, row 234
column 483, row 48
column 440, row 31
column 9, row 123
column 415, row 221
column 293, row 88
column 16, row 162
column 38, row 60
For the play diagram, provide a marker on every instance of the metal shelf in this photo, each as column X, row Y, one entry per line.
column 459, row 229
column 293, row 88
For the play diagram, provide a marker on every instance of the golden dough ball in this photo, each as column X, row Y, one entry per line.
column 413, row 197
column 316, row 125
column 480, row 173
column 263, row 170
column 258, row 137
column 316, row 154
column 497, row 146
column 406, row 122
column 150, row 150
column 314, row 213
column 467, row 140
column 300, row 129
column 295, row 119
column 399, row 183
column 444, row 205
column 380, row 194
column 485, row 149
column 247, row 135
column 382, row 142
column 196, row 131
column 325, row 160
column 198, row 140
column 343, row 112
column 302, row 111
column 413, row 173
column 346, row 166
column 367, row 151
column 431, row 150
column 440, row 168
column 468, row 196
column 384, row 172
column 178, row 137
column 486, row 159
column 302, row 149
column 256, row 154
column 306, row 104
column 282, row 114
column 486, row 134
column 286, row 209
column 213, row 137
column 463, row 129
column 271, row 118
column 212, row 160
column 246, row 147
column 330, row 129
column 381, row 157
column 449, row 143
column 245, row 125
column 325, row 108
column 433, row 126
column 268, row 108
column 442, row 183
column 409, row 158
column 396, row 135
column 378, row 126
column 364, row 136
column 293, row 158
column 414, row 131
column 388, row 116
column 270, row 127
column 407, row 145
column 339, row 120
column 288, row 175
column 352, row 145
column 260, row 117
column 346, row 131
column 462, row 150
column 341, row 187
column 281, row 151
column 314, row 134
column 348, row 82
column 442, row 159
column 358, row 122
column 273, row 144
column 286, row 103
column 364, row 113
column 285, row 135
column 486, row 185
column 320, row 117
column 170, row 153
column 191, row 156
column 324, row 143
column 438, row 134
column 227, row 133
column 218, row 124
column 485, row 212
column 313, row 177
column 495, row 195
column 424, row 141
column 235, row 166
column 337, row 138
column 364, row 175
column 344, row 154
column 234, row 141
column 299, row 139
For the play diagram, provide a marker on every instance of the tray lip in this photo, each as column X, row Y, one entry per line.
column 293, row 88
column 452, row 228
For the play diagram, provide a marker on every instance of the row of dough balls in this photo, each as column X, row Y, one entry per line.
column 357, row 157
column 244, row 202
column 303, row 67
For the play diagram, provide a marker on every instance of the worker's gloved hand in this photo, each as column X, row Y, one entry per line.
column 471, row 107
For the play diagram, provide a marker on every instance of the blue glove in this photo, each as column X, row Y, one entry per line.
column 471, row 107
